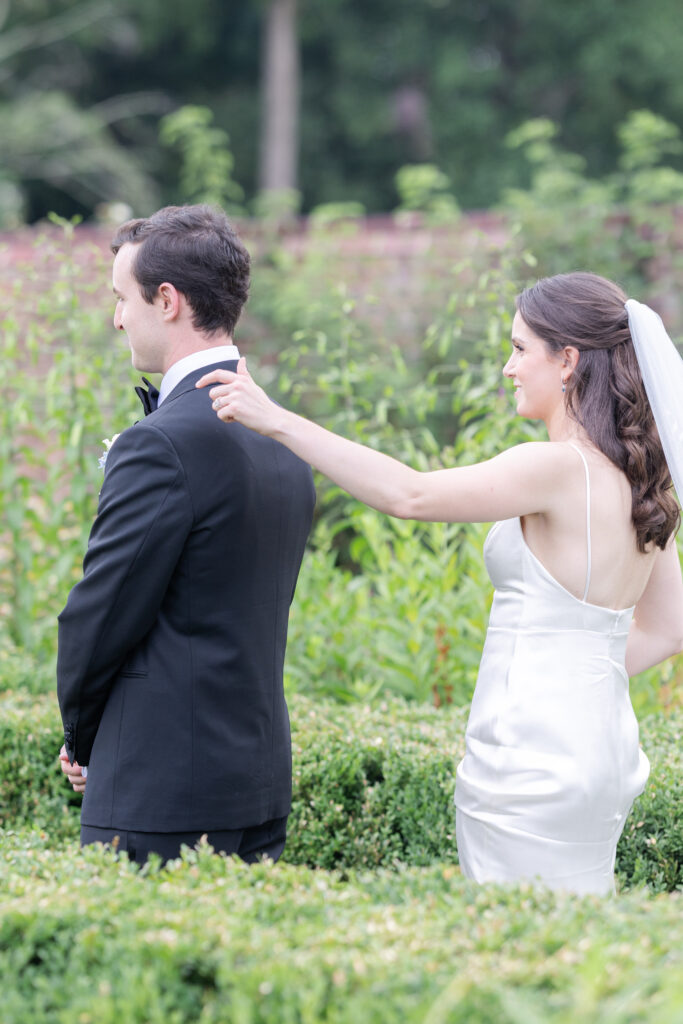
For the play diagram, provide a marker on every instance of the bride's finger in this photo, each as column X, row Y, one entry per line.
column 224, row 413
column 216, row 377
column 220, row 390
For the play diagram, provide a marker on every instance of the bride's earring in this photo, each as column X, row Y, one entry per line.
column 564, row 386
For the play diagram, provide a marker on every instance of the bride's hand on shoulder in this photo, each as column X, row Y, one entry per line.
column 237, row 398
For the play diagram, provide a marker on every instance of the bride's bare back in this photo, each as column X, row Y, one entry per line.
column 558, row 538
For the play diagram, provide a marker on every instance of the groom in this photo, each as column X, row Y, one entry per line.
column 171, row 646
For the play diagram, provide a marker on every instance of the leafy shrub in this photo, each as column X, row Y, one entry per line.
column 624, row 226
column 372, row 786
column 206, row 160
column 651, row 851
column 56, row 355
column 424, row 188
column 410, row 621
column 87, row 938
column 57, row 351
column 433, row 403
column 32, row 788
column 384, row 606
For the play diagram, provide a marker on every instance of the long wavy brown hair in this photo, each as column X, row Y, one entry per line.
column 605, row 393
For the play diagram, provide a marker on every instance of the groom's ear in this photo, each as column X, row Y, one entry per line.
column 169, row 300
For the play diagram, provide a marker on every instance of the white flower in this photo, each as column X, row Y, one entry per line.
column 107, row 442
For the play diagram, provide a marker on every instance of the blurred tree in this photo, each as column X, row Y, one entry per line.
column 53, row 143
column 51, row 147
column 383, row 83
column 392, row 82
column 280, row 97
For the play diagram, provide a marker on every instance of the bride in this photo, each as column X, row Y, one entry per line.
column 583, row 559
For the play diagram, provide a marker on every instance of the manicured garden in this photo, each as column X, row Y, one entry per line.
column 367, row 917
column 86, row 938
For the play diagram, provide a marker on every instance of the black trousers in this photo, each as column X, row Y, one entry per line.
column 251, row 844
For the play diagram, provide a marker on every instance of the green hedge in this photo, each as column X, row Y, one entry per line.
column 372, row 786
column 87, row 939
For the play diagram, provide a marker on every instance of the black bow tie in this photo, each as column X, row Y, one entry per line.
column 149, row 397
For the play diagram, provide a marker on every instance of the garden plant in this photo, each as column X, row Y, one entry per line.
column 368, row 916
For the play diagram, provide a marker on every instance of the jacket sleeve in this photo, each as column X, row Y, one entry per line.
column 143, row 519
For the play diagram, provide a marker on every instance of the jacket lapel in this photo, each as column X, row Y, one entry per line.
column 188, row 383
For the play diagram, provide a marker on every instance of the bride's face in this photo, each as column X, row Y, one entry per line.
column 536, row 372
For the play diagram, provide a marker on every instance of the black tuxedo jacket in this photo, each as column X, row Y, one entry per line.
column 171, row 647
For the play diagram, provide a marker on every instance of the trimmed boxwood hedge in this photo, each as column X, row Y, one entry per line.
column 89, row 939
column 372, row 786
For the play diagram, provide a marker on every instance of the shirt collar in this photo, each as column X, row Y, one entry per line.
column 195, row 361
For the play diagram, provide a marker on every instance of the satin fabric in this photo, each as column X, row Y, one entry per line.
column 552, row 762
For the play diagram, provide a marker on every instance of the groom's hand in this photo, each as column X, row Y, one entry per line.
column 73, row 772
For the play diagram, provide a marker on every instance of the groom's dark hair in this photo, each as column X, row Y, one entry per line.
column 196, row 250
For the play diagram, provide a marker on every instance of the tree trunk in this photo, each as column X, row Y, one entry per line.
column 280, row 97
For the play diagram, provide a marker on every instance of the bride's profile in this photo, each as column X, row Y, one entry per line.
column 583, row 559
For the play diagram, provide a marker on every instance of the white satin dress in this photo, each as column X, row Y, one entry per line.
column 552, row 763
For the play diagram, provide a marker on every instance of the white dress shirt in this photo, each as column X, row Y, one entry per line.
column 195, row 361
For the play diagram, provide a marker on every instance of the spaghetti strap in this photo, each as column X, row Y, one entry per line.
column 588, row 519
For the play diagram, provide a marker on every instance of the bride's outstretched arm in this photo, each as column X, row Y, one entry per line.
column 520, row 481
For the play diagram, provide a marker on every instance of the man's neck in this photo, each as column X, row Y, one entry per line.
column 188, row 345
column 195, row 360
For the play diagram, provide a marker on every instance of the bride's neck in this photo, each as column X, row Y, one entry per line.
column 563, row 427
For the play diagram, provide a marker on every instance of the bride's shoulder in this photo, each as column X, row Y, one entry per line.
column 543, row 455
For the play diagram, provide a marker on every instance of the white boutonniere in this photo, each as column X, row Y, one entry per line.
column 107, row 442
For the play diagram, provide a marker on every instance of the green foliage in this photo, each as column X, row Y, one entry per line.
column 646, row 139
column 334, row 213
column 47, row 138
column 557, row 176
column 616, row 226
column 373, row 786
column 23, row 671
column 471, row 75
column 424, row 188
column 409, row 620
column 33, row 793
column 409, row 397
column 207, row 163
column 651, row 851
column 87, row 938
column 276, row 206
column 364, row 386
column 384, row 84
column 407, row 615
column 366, row 578
column 56, row 354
